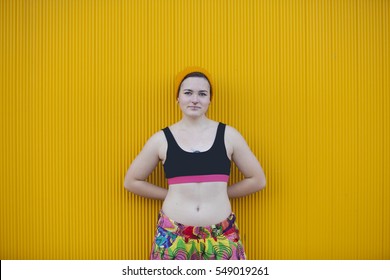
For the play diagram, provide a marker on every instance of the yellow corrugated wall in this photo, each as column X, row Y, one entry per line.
column 85, row 83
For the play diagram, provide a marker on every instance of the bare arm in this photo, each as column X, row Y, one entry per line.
column 142, row 166
column 248, row 165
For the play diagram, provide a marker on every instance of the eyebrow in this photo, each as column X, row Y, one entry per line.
column 192, row 90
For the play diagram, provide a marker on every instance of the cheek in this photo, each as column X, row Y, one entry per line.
column 181, row 100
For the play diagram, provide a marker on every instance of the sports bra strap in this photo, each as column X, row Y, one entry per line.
column 219, row 138
column 169, row 136
column 220, row 132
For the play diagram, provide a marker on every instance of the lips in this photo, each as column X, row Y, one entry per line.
column 194, row 107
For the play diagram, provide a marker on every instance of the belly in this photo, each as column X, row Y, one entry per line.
column 197, row 204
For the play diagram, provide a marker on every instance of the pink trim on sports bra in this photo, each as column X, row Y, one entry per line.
column 199, row 179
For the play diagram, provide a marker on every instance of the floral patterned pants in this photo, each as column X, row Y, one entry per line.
column 175, row 241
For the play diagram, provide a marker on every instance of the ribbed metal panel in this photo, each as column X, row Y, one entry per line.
column 84, row 84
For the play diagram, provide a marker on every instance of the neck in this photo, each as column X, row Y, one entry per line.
column 199, row 122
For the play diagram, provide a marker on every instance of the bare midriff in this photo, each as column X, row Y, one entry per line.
column 197, row 204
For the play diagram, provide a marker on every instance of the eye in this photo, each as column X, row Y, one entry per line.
column 187, row 92
column 203, row 94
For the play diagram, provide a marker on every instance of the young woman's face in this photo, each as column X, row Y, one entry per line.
column 194, row 96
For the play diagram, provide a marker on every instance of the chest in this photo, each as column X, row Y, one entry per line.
column 191, row 143
column 195, row 142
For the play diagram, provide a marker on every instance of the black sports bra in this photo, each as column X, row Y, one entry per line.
column 212, row 165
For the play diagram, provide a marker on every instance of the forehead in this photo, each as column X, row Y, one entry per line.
column 195, row 83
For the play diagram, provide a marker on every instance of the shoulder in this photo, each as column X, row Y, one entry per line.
column 160, row 144
column 156, row 142
column 234, row 141
column 232, row 134
column 157, row 138
column 173, row 127
column 155, row 145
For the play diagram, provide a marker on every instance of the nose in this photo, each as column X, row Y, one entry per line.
column 194, row 98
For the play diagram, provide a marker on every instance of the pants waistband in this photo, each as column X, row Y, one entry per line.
column 197, row 232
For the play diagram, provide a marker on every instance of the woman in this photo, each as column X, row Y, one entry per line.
column 196, row 220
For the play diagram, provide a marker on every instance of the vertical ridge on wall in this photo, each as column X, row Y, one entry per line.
column 386, row 125
column 84, row 84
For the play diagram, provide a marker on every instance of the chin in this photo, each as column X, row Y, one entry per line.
column 195, row 114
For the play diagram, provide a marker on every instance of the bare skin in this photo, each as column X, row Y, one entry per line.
column 197, row 204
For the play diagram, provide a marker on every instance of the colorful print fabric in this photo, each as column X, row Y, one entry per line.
column 175, row 241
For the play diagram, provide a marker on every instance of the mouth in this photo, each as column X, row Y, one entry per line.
column 194, row 107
